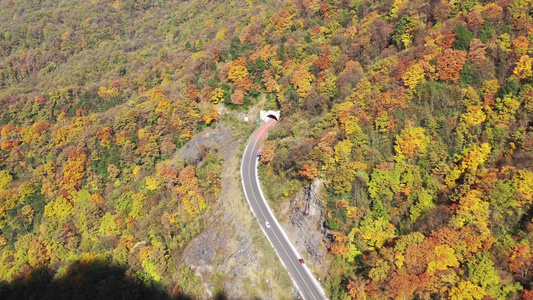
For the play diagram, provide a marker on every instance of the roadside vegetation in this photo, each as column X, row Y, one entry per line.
column 416, row 114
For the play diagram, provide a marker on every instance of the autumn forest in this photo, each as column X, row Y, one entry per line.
column 417, row 116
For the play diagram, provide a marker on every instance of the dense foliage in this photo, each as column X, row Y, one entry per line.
column 416, row 114
column 96, row 98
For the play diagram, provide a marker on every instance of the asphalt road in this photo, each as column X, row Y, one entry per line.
column 302, row 277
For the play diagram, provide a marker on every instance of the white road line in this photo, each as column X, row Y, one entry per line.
column 272, row 216
column 250, row 204
column 314, row 281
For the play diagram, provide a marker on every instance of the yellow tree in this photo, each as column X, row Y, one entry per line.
column 301, row 79
column 26, row 189
column 413, row 76
column 5, row 179
column 375, row 232
column 472, row 211
column 466, row 290
column 411, row 141
column 164, row 107
column 222, row 33
column 152, row 183
column 328, row 86
column 75, row 169
column 474, row 115
column 108, row 227
column 522, row 69
column 443, row 258
column 212, row 115
column 238, row 69
column 524, row 181
column 217, row 95
column 107, row 93
column 3, row 241
column 60, row 208
column 7, row 130
column 186, row 134
column 474, row 156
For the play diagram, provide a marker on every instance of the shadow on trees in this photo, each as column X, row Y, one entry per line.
column 92, row 280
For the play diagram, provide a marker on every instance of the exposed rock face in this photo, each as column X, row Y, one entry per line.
column 217, row 138
column 224, row 246
column 307, row 231
column 228, row 254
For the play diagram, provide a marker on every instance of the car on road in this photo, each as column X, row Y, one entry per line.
column 259, row 154
column 301, row 261
column 267, row 224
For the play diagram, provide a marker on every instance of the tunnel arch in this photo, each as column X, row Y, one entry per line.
column 272, row 117
column 265, row 115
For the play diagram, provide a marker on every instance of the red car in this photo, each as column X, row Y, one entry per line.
column 301, row 261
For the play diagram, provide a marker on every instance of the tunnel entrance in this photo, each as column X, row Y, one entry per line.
column 273, row 117
column 265, row 115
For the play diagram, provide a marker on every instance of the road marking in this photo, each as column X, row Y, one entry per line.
column 311, row 277
column 263, row 214
column 263, row 128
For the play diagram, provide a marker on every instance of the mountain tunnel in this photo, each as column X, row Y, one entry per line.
column 273, row 117
column 265, row 115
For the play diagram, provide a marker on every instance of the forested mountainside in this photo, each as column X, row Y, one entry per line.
column 417, row 114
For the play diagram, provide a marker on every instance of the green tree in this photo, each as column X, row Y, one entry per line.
column 464, row 36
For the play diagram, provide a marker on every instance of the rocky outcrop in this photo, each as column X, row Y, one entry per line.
column 307, row 231
column 229, row 253
column 226, row 251
column 211, row 138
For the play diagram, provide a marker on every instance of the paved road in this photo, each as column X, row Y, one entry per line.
column 302, row 277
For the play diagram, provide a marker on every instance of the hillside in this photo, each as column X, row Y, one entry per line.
column 415, row 115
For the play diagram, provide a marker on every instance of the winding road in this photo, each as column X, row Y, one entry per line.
column 303, row 279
